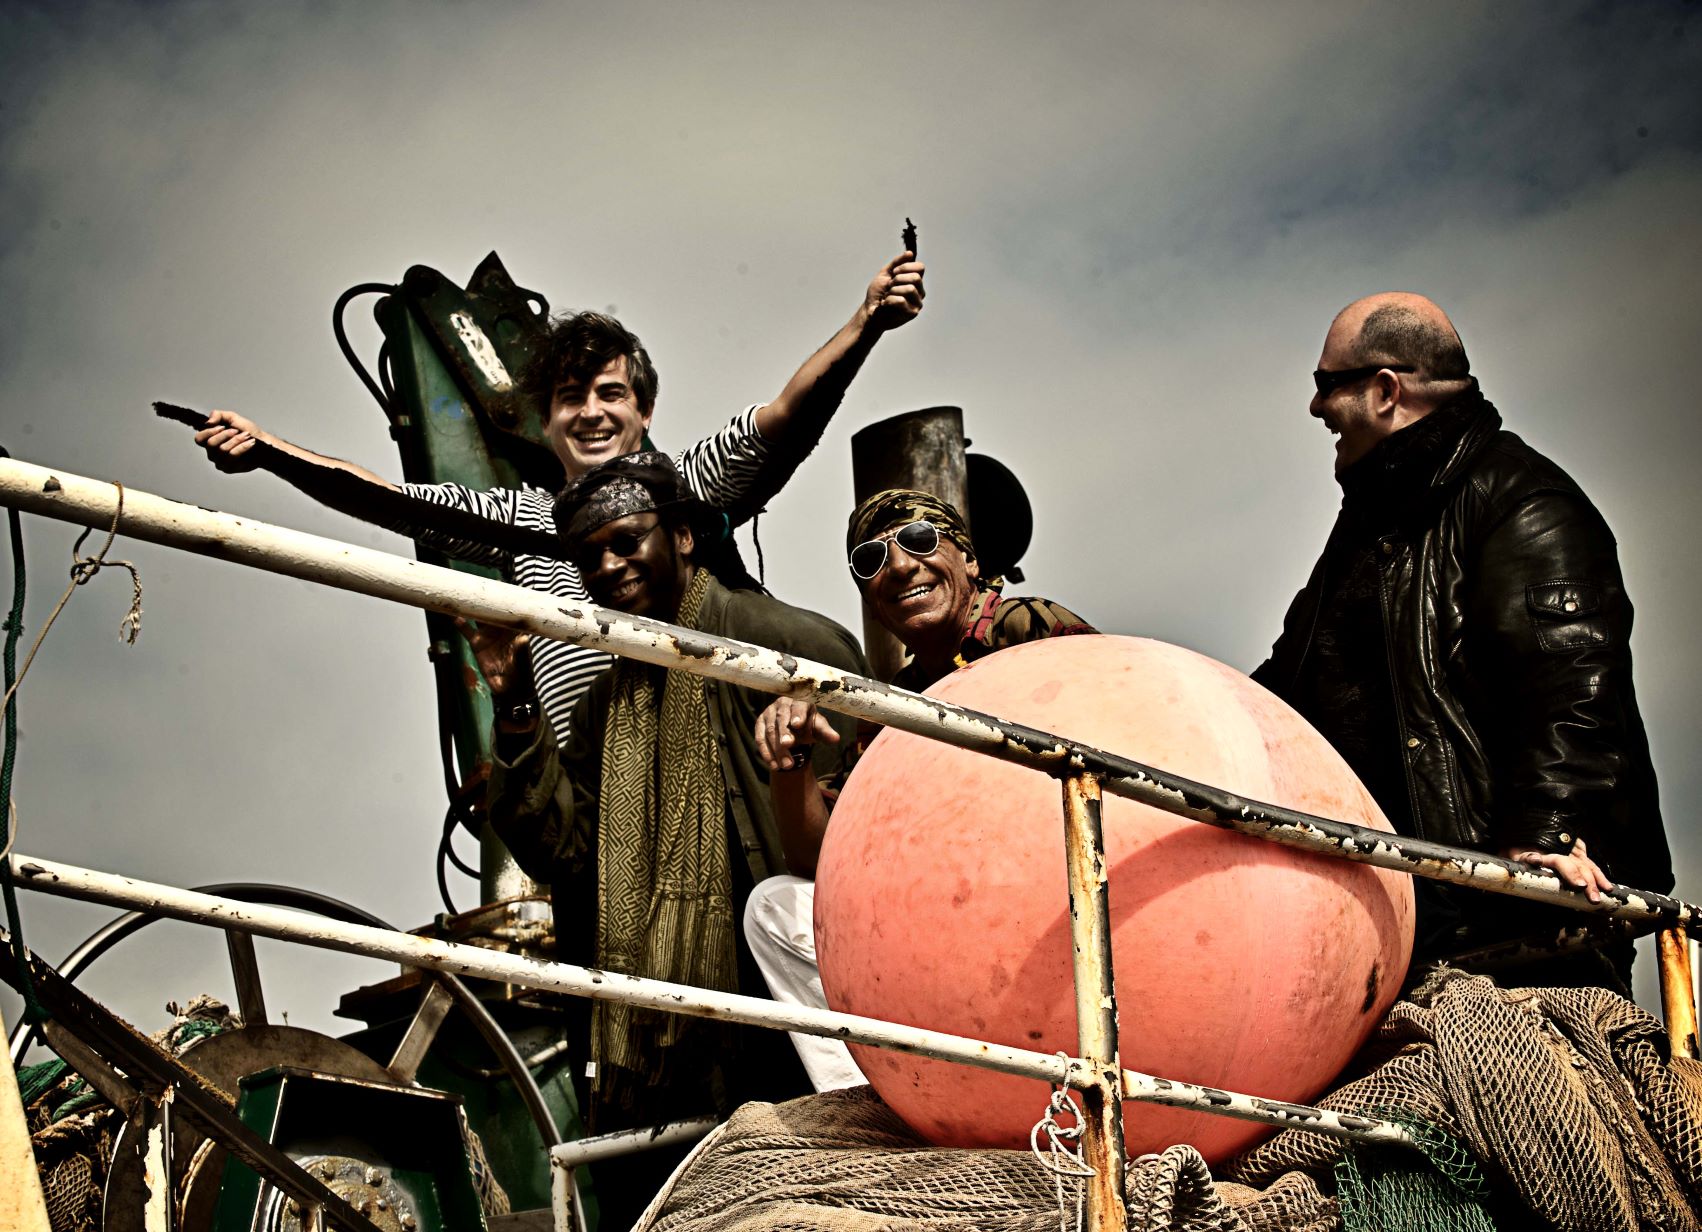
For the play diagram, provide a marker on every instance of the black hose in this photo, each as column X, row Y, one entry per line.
column 366, row 288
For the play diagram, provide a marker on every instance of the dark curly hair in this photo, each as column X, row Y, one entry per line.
column 578, row 346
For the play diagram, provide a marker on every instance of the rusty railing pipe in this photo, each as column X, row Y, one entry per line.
column 1678, row 990
column 89, row 502
column 1096, row 1004
column 430, row 954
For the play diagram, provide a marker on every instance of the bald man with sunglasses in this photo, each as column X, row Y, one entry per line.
column 1463, row 642
column 911, row 557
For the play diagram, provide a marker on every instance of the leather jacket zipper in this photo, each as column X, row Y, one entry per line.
column 1404, row 741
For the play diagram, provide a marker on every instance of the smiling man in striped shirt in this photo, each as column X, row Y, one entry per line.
column 601, row 389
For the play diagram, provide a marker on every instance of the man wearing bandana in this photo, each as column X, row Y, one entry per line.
column 651, row 817
column 933, row 598
column 911, row 556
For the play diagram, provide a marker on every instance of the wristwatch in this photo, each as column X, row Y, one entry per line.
column 518, row 714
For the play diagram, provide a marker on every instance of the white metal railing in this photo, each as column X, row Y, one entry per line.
column 1084, row 771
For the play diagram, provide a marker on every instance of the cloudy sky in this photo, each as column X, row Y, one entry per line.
column 1138, row 220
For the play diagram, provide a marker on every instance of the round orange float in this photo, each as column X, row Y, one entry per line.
column 942, row 901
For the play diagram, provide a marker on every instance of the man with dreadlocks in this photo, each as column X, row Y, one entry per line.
column 911, row 556
column 650, row 817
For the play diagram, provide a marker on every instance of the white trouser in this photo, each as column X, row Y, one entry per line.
column 779, row 924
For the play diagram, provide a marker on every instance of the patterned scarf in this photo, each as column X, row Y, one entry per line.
column 664, row 883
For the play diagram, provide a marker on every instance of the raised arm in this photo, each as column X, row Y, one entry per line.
column 539, row 797
column 741, row 467
column 801, row 411
column 238, row 444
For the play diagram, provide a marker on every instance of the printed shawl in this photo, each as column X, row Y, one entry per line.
column 664, row 881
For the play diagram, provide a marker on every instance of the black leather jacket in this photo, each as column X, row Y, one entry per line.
column 1507, row 632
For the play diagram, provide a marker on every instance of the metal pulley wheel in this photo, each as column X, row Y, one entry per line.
column 197, row 1165
column 369, row 1188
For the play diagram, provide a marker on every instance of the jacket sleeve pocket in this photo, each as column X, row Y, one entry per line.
column 1566, row 615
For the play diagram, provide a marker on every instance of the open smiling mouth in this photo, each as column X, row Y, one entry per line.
column 594, row 438
column 915, row 592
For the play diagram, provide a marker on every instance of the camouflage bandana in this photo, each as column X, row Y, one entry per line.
column 642, row 482
column 899, row 507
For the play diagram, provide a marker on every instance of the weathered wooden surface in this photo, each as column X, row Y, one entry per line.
column 21, row 1204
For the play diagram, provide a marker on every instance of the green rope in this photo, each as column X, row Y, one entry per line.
column 33, row 1011
column 81, row 1096
column 1388, row 1189
column 193, row 1029
column 34, row 1081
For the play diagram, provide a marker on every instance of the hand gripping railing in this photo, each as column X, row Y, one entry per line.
column 1084, row 770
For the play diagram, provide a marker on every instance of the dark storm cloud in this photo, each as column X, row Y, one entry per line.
column 1510, row 117
column 1373, row 136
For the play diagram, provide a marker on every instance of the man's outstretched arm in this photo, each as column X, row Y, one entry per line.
column 801, row 411
column 229, row 441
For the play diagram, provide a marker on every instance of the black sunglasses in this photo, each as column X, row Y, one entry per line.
column 1328, row 380
column 916, row 538
column 588, row 558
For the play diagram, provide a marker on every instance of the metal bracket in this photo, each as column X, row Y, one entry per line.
column 120, row 1060
column 250, row 1002
column 1678, row 990
column 416, row 1041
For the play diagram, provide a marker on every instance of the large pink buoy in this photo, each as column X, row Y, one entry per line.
column 942, row 900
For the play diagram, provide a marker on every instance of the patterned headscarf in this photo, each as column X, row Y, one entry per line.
column 899, row 507
column 640, row 482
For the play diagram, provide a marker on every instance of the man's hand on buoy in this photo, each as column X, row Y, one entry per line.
column 788, row 724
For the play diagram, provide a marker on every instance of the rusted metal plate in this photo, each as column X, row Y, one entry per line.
column 1678, row 990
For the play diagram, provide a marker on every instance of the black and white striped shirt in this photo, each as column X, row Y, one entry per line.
column 719, row 470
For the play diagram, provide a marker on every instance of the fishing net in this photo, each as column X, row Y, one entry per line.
column 72, row 1155
column 1536, row 1107
column 72, row 1129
